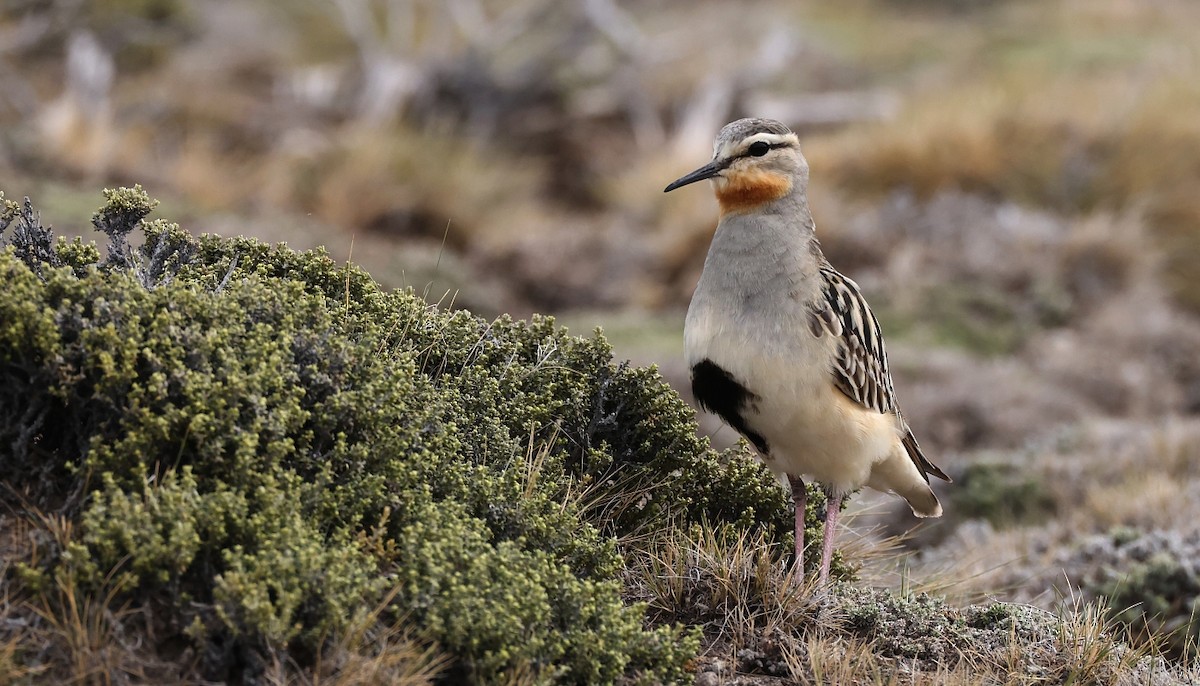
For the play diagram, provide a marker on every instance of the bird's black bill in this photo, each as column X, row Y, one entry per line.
column 706, row 172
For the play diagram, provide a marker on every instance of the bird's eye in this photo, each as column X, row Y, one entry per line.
column 758, row 148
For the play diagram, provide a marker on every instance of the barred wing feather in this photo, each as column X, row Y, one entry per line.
column 860, row 366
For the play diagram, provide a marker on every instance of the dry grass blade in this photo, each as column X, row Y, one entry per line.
column 14, row 639
column 734, row 581
column 83, row 634
column 372, row 651
column 834, row 660
column 1087, row 647
column 12, row 669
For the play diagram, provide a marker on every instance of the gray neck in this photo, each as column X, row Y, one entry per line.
column 770, row 252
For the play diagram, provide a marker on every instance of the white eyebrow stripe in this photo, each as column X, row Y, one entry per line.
column 772, row 138
column 733, row 149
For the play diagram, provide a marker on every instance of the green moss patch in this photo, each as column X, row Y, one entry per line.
column 1002, row 494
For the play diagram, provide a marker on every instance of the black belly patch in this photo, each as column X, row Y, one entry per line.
column 718, row 392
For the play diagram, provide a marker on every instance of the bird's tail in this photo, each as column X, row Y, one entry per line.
column 897, row 474
column 923, row 502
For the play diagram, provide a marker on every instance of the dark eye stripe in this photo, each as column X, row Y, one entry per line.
column 724, row 164
column 770, row 146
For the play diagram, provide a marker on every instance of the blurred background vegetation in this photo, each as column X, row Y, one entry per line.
column 531, row 136
column 1014, row 183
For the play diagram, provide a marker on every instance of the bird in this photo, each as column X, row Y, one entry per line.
column 784, row 348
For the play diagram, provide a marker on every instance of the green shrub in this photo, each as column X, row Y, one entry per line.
column 1002, row 494
column 1159, row 597
column 1151, row 581
column 265, row 446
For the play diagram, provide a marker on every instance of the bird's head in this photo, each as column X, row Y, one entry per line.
column 755, row 161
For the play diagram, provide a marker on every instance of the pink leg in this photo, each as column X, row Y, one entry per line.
column 800, row 499
column 833, row 507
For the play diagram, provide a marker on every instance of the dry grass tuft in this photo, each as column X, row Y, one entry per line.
column 1086, row 648
column 761, row 624
column 85, row 637
column 372, row 651
column 836, row 660
column 736, row 583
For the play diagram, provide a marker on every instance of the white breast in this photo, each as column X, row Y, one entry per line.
column 811, row 428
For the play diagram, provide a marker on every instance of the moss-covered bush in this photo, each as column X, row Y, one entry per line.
column 1160, row 597
column 1151, row 581
column 258, row 447
column 1026, row 644
column 1003, row 494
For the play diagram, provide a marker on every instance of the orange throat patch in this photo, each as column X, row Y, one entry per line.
column 744, row 191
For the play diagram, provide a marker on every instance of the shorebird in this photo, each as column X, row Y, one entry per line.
column 784, row 348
